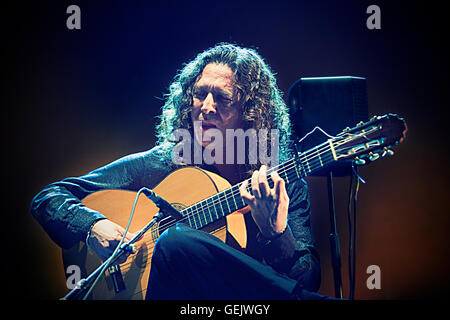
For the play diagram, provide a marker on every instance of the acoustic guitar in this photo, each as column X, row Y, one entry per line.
column 210, row 203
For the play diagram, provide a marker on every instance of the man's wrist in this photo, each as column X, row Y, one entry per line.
column 280, row 251
column 267, row 238
column 89, row 233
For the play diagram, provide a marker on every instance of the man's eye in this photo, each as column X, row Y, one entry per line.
column 199, row 95
column 225, row 100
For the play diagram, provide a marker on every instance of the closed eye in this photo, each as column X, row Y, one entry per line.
column 219, row 95
column 224, row 100
column 200, row 94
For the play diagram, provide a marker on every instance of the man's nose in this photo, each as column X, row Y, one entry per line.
column 208, row 104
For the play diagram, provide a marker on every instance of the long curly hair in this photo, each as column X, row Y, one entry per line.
column 262, row 102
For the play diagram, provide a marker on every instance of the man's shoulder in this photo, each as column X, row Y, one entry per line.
column 155, row 164
column 156, row 157
column 157, row 153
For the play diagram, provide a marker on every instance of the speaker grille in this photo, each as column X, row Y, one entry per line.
column 332, row 103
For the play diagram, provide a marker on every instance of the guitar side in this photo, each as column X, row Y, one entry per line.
column 182, row 188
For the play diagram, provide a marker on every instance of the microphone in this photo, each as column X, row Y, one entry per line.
column 164, row 206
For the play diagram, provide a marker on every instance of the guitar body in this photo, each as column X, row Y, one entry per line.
column 182, row 188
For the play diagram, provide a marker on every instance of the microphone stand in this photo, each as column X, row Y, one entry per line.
column 334, row 239
column 80, row 291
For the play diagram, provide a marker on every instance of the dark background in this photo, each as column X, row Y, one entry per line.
column 74, row 100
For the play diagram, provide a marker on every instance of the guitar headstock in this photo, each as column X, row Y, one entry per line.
column 370, row 140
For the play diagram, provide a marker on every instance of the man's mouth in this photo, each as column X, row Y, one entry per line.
column 207, row 125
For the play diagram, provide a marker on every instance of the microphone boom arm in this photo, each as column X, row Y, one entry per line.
column 165, row 209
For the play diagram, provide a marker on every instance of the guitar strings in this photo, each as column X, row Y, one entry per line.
column 288, row 165
column 220, row 197
column 199, row 207
column 310, row 154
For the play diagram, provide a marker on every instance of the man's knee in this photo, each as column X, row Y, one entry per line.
column 173, row 240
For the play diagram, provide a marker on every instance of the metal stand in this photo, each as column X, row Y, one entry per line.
column 334, row 239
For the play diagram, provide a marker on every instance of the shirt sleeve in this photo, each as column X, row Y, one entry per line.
column 58, row 207
column 294, row 253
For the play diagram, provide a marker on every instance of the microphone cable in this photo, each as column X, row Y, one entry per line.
column 116, row 251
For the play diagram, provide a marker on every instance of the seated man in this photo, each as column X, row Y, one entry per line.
column 224, row 88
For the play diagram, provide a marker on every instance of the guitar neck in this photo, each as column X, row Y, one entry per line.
column 223, row 203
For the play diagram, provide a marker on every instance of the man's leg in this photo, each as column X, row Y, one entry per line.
column 191, row 264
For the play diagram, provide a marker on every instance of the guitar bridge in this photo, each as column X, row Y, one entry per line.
column 117, row 279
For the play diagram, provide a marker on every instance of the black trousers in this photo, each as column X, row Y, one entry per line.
column 194, row 265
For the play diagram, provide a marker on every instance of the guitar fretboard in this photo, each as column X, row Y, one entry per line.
column 223, row 203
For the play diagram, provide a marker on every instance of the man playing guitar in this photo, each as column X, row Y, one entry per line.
column 224, row 88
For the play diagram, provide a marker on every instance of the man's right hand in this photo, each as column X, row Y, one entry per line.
column 105, row 236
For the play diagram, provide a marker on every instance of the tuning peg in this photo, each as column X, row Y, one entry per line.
column 347, row 129
column 374, row 118
column 373, row 156
column 389, row 151
column 360, row 124
column 360, row 162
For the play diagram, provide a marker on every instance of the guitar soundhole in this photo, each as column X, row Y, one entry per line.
column 165, row 223
column 162, row 226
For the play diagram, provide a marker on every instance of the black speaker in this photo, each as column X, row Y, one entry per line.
column 331, row 103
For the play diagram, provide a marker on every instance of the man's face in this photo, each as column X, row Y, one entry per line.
column 215, row 102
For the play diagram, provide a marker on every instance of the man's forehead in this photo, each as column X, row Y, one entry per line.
column 216, row 76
